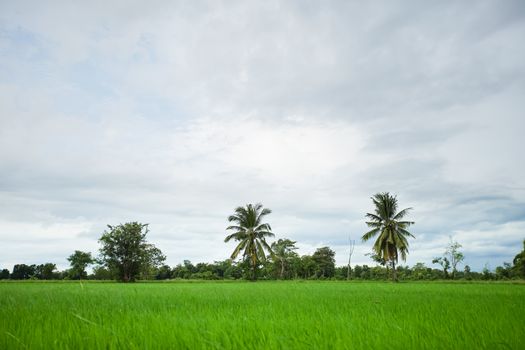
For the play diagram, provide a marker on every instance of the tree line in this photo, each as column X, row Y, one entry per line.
column 126, row 255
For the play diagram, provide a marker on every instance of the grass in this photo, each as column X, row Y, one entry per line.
column 275, row 315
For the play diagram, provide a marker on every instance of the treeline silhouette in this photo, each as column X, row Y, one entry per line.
column 318, row 266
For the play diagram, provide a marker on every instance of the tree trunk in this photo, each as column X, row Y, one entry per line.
column 282, row 269
column 394, row 272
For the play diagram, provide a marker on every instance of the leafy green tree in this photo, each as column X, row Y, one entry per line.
column 388, row 224
column 126, row 251
column 4, row 274
column 307, row 266
column 163, row 273
column 324, row 259
column 219, row 268
column 467, row 272
column 184, row 271
column 357, row 271
column 284, row 252
column 251, row 234
column 419, row 271
column 504, row 272
column 233, row 271
column 486, row 273
column 23, row 272
column 102, row 273
column 79, row 260
column 45, row 271
column 519, row 263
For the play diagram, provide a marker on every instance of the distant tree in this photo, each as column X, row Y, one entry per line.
column 365, row 272
column 185, row 270
column 219, row 268
column 445, row 264
column 419, row 271
column 467, row 272
column 79, row 261
column 126, row 251
column 486, row 274
column 357, row 271
column 233, row 271
column 386, row 223
column 504, row 272
column 163, row 273
column 454, row 255
column 519, row 263
column 102, row 273
column 324, row 259
column 284, row 252
column 251, row 234
column 307, row 266
column 451, row 258
column 23, row 272
column 4, row 274
column 45, row 271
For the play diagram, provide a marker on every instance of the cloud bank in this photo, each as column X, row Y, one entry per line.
column 174, row 114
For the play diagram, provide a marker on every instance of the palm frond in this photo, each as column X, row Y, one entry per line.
column 265, row 212
column 265, row 227
column 236, row 235
column 238, row 228
column 266, row 234
column 401, row 214
column 268, row 247
column 373, row 217
column 260, row 251
column 369, row 234
column 237, row 249
column 405, row 232
column 235, row 218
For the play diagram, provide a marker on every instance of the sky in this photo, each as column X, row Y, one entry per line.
column 174, row 113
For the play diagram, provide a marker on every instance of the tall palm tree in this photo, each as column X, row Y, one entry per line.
column 251, row 234
column 392, row 232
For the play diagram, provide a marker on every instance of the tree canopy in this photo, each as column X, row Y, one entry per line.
column 79, row 260
column 284, row 253
column 251, row 233
column 125, row 250
column 519, row 262
column 388, row 224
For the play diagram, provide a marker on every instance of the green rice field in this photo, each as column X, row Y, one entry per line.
column 261, row 315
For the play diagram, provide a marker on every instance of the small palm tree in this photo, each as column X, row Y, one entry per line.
column 387, row 223
column 251, row 234
column 283, row 250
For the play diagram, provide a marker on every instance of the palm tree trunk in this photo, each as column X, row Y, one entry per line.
column 282, row 268
column 394, row 272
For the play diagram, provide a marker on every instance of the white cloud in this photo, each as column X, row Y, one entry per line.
column 176, row 114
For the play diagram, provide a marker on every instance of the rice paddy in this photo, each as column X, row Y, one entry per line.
column 262, row 315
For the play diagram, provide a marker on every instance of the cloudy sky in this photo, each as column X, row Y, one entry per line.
column 173, row 113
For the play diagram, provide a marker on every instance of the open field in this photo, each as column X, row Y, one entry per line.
column 262, row 315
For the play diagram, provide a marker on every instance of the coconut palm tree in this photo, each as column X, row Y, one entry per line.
column 387, row 224
column 251, row 234
column 283, row 251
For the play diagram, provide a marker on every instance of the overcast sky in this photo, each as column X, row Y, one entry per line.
column 173, row 113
